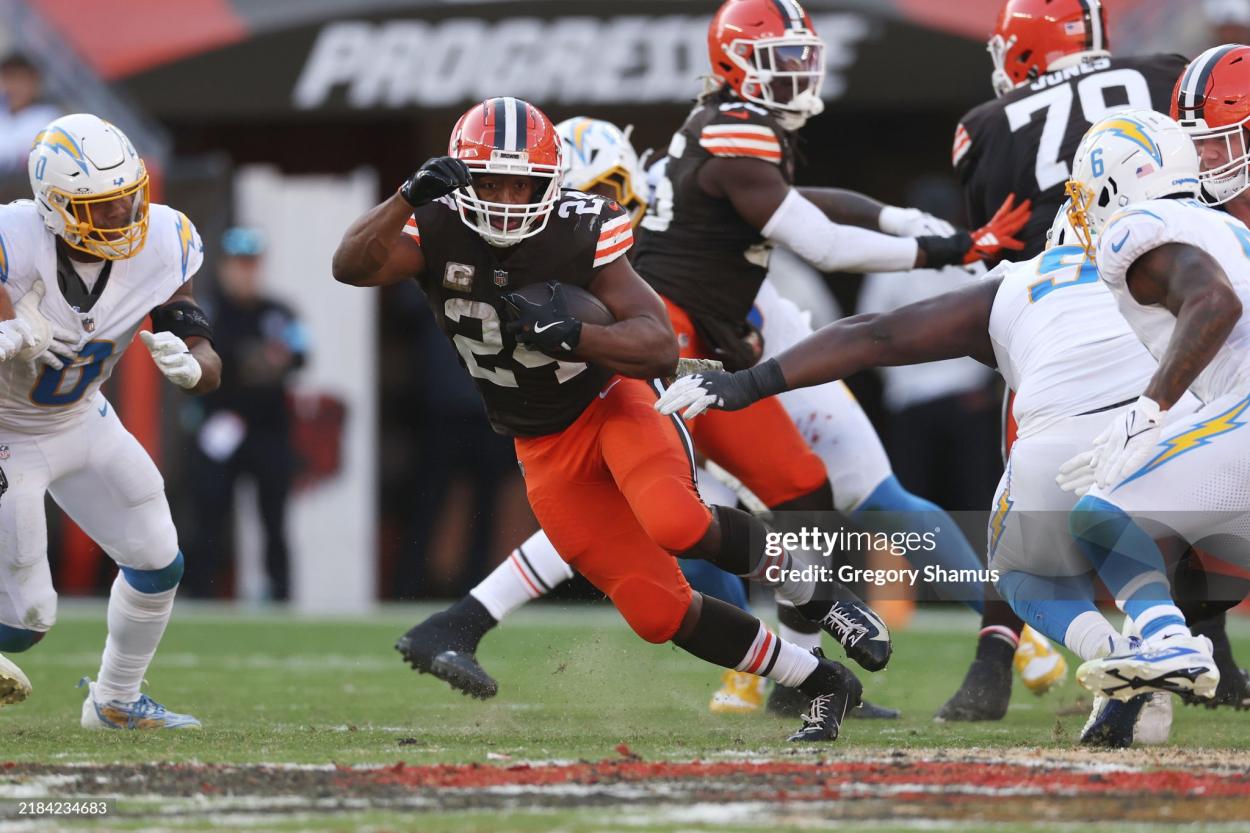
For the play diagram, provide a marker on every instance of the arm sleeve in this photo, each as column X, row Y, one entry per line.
column 803, row 228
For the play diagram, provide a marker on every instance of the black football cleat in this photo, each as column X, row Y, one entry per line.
column 785, row 701
column 856, row 626
column 984, row 695
column 438, row 646
column 834, row 691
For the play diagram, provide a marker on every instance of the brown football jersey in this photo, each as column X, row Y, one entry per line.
column 526, row 392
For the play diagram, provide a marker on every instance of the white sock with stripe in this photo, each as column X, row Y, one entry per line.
column 777, row 659
column 532, row 570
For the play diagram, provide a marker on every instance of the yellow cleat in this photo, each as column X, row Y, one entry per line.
column 14, row 686
column 740, row 693
column 1038, row 663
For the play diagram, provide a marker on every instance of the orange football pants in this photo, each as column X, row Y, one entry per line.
column 759, row 445
column 615, row 494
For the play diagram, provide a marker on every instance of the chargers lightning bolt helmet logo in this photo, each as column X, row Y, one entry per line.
column 1134, row 132
column 58, row 141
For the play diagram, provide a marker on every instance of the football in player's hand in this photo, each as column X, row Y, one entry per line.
column 581, row 304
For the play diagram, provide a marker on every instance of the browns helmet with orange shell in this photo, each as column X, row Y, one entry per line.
column 1035, row 36
column 768, row 53
column 512, row 137
column 1212, row 102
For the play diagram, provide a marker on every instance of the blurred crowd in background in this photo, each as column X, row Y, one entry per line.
column 260, row 117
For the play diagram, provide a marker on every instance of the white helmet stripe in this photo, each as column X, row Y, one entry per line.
column 510, row 106
column 1195, row 79
column 1094, row 11
column 792, row 11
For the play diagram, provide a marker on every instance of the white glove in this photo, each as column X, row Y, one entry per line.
column 1127, row 442
column 1077, row 474
column 173, row 358
column 14, row 335
column 912, row 222
column 50, row 343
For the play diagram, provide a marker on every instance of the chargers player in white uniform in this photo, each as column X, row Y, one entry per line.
column 599, row 157
column 1052, row 329
column 1180, row 273
column 87, row 261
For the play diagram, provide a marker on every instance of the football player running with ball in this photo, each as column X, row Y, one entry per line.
column 87, row 261
column 610, row 480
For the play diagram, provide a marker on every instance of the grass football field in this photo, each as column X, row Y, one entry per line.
column 316, row 724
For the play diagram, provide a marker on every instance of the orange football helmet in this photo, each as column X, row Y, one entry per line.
column 1212, row 102
column 512, row 137
column 768, row 53
column 1034, row 36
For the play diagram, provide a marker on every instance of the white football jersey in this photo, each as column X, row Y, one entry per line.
column 46, row 400
column 1142, row 227
column 1060, row 342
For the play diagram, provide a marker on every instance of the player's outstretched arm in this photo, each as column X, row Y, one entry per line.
column 641, row 343
column 1194, row 288
column 949, row 326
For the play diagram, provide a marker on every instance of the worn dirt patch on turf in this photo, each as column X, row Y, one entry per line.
column 1025, row 787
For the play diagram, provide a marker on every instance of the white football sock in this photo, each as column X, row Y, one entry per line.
column 1089, row 636
column 532, row 570
column 777, row 659
column 136, row 623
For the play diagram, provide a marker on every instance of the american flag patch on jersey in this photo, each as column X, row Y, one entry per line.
column 410, row 227
column 741, row 140
column 615, row 238
column 962, row 142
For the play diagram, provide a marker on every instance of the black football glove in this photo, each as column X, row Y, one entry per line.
column 545, row 326
column 721, row 390
column 436, row 178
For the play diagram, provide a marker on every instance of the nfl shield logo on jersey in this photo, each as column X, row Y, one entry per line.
column 4, row 452
column 88, row 324
column 501, row 278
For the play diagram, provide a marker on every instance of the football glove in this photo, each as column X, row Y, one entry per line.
column 1127, row 443
column 50, row 344
column 545, row 326
column 14, row 335
column 173, row 358
column 721, row 390
column 986, row 243
column 1122, row 448
column 912, row 222
column 436, row 178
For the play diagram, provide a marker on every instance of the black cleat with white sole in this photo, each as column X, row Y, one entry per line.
column 856, row 626
column 834, row 691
